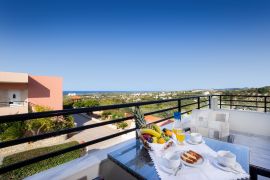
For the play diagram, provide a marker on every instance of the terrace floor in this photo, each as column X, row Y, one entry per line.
column 259, row 148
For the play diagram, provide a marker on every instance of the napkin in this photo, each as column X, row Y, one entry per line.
column 207, row 171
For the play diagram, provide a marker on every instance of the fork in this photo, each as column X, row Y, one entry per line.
column 178, row 168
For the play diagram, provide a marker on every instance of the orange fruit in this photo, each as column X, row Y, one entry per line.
column 168, row 133
column 161, row 141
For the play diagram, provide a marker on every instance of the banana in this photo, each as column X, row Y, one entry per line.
column 157, row 128
column 151, row 132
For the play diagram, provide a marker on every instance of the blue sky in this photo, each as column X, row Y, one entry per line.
column 138, row 45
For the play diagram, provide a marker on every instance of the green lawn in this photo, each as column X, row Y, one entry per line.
column 42, row 165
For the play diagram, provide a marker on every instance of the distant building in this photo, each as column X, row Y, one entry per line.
column 19, row 91
column 71, row 94
column 75, row 98
column 152, row 119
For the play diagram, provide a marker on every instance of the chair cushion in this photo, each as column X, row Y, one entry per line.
column 219, row 116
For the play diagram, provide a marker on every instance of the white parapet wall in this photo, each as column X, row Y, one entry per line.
column 90, row 166
column 257, row 123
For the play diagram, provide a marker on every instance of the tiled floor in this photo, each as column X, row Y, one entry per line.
column 259, row 148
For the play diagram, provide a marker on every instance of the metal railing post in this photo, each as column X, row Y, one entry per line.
column 136, row 126
column 231, row 101
column 209, row 101
column 265, row 104
column 179, row 105
column 253, row 173
column 199, row 103
column 220, row 101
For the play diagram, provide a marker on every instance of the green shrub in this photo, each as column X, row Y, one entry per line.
column 105, row 114
column 78, row 104
column 86, row 103
column 65, row 122
column 10, row 131
column 121, row 125
column 42, row 165
column 90, row 103
column 115, row 114
column 68, row 103
column 15, row 130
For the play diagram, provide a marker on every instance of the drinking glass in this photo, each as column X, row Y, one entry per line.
column 180, row 135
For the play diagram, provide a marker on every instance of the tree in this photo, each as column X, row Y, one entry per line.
column 10, row 131
column 36, row 126
column 86, row 103
column 263, row 90
column 78, row 104
column 15, row 130
column 63, row 122
column 68, row 103
column 90, row 103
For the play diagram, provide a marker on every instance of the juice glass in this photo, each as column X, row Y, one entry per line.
column 180, row 135
column 176, row 130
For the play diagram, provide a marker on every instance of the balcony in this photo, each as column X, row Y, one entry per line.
column 15, row 107
column 249, row 126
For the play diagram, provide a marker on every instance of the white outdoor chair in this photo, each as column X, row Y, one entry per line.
column 199, row 121
column 218, row 125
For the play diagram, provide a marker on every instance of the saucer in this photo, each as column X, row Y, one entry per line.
column 166, row 169
column 221, row 166
column 194, row 143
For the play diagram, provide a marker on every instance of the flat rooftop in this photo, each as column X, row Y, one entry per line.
column 10, row 77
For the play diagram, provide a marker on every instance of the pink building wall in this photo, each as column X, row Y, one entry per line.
column 20, row 86
column 46, row 91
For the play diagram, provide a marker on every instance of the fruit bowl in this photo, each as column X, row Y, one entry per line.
column 145, row 143
column 152, row 134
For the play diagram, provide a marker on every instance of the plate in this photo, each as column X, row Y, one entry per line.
column 197, row 164
column 222, row 167
column 167, row 170
column 194, row 143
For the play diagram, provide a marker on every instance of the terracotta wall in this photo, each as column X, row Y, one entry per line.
column 45, row 91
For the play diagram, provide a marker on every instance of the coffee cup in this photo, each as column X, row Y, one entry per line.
column 226, row 158
column 170, row 160
column 196, row 137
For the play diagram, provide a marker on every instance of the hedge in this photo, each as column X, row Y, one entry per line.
column 42, row 165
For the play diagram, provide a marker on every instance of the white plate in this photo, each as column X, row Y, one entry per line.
column 222, row 167
column 194, row 143
column 167, row 170
column 198, row 163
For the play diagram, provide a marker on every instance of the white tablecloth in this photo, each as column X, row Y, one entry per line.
column 207, row 171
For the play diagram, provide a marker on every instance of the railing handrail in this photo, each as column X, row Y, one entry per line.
column 35, row 115
column 239, row 95
column 23, row 117
column 265, row 101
